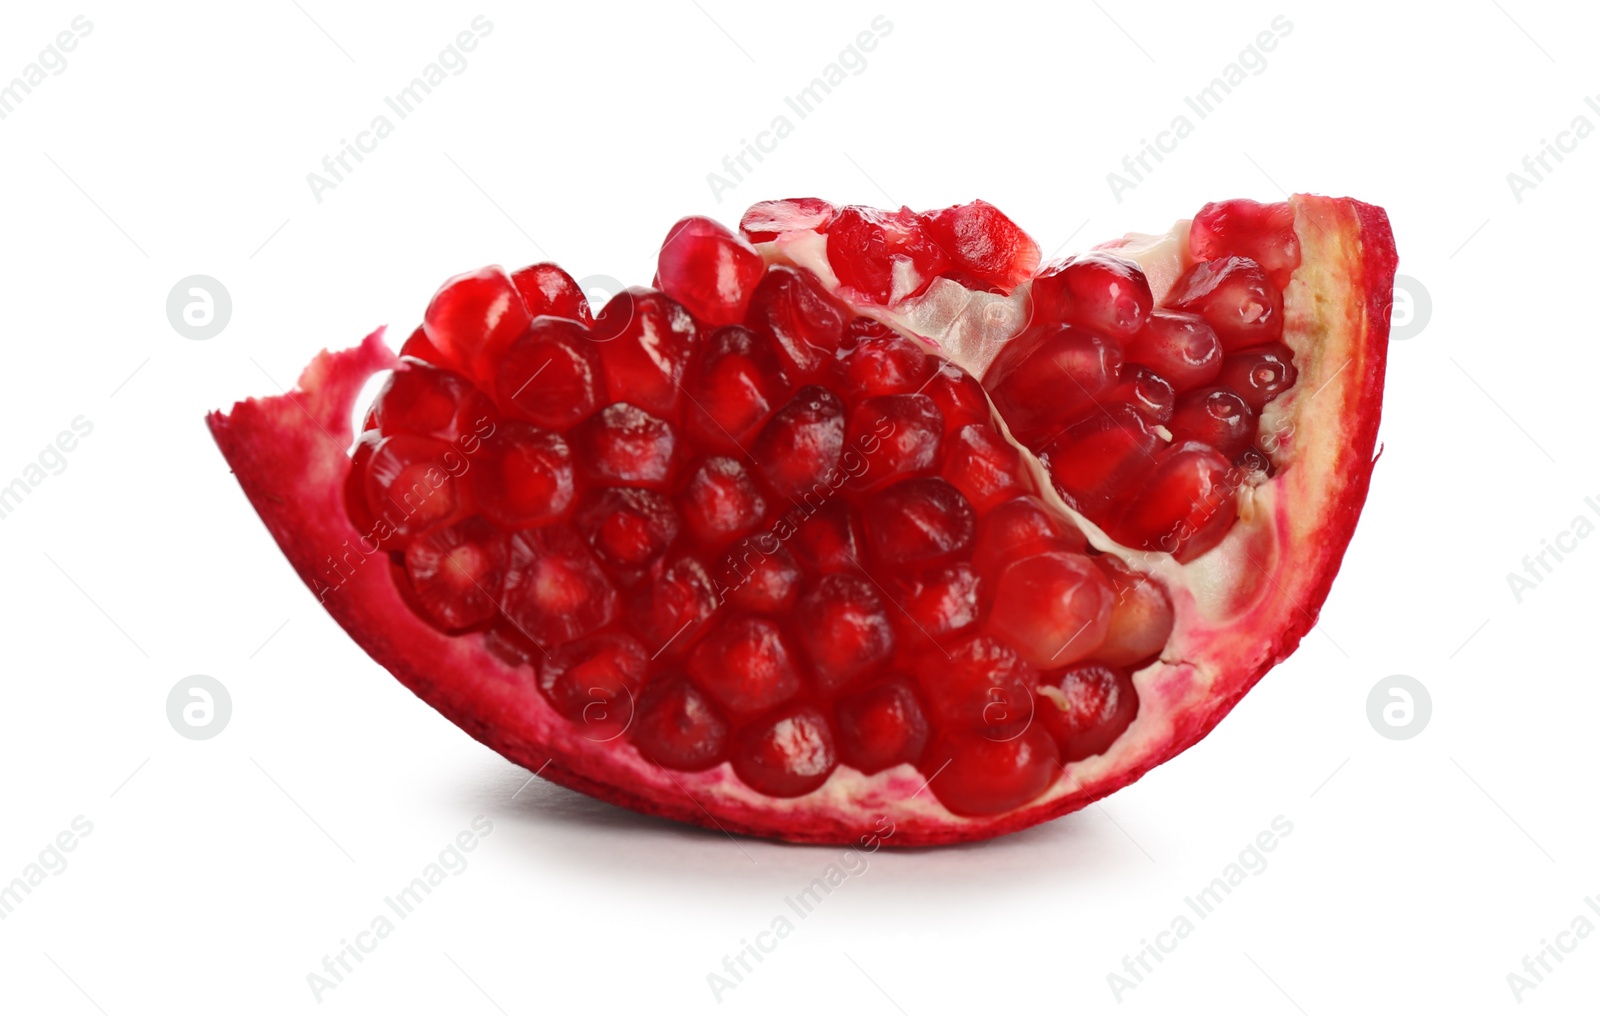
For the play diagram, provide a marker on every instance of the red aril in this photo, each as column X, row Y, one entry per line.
column 801, row 445
column 845, row 630
column 411, row 483
column 721, row 502
column 1234, row 297
column 884, row 256
column 1094, row 462
column 624, row 445
column 789, row 755
column 677, row 727
column 740, row 383
column 936, row 602
column 644, row 341
column 766, row 219
column 456, row 571
column 984, row 467
column 896, row 435
column 984, row 776
column 791, row 308
column 628, row 529
column 1055, row 608
column 547, row 289
column 594, row 683
column 554, row 589
column 1181, row 348
column 1086, row 707
column 1263, row 233
column 981, row 685
column 524, row 476
column 757, row 552
column 746, row 665
column 986, row 249
column 1145, row 390
column 1215, row 416
column 709, row 270
column 918, row 522
column 1098, row 291
column 474, row 311
column 1185, row 507
column 1049, row 378
column 881, row 726
column 550, row 375
column 1259, row 374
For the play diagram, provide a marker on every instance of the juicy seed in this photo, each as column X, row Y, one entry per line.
column 1141, row 618
column 645, row 341
column 474, row 311
column 550, row 376
column 941, row 601
column 760, row 582
column 422, row 399
column 1145, row 390
column 881, row 364
column 1055, row 608
column 1217, row 416
column 410, row 483
column 547, row 289
column 721, row 502
column 1045, row 379
column 554, row 590
column 669, row 610
column 628, row 529
column 884, row 256
column 1086, row 708
column 1185, row 506
column 987, row 249
column 709, row 270
column 983, row 776
column 790, row 755
column 595, row 682
column 1096, row 461
column 918, row 522
column 881, row 727
column 896, row 435
column 524, row 476
column 791, row 308
column 626, row 446
column 985, row 467
column 1259, row 374
column 981, row 686
column 739, row 385
column 801, row 445
column 745, row 665
column 1097, row 290
column 1235, row 297
column 829, row 540
column 455, row 573
column 678, row 727
column 1179, row 347
column 1263, row 233
column 844, row 629
column 1019, row 528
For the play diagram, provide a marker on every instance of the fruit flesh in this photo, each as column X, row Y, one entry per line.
column 1187, row 695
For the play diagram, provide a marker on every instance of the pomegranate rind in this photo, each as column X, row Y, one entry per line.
column 1243, row 606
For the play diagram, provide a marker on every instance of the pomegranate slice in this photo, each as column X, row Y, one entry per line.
column 759, row 551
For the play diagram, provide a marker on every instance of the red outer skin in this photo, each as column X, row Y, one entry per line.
column 288, row 454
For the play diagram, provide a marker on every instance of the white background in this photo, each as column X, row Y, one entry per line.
column 219, row 873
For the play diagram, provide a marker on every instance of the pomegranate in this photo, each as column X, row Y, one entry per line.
column 858, row 515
